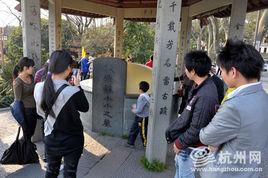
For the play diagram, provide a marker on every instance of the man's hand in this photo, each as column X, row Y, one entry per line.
column 133, row 108
column 175, row 149
column 77, row 79
column 213, row 148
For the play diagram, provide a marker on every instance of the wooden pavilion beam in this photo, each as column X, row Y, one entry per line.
column 206, row 5
column 83, row 5
column 140, row 13
column 87, row 6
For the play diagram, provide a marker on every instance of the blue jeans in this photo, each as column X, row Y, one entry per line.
column 184, row 164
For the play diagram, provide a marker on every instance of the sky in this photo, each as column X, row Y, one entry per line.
column 6, row 18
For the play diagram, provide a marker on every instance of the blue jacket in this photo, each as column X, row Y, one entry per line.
column 84, row 65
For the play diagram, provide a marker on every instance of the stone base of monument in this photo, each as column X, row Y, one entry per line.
column 128, row 115
column 127, row 119
column 86, row 117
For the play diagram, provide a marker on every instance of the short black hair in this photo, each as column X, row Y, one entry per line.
column 25, row 62
column 152, row 57
column 199, row 62
column 244, row 57
column 144, row 86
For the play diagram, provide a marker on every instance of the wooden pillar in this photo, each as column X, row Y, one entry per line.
column 31, row 30
column 54, row 25
column 184, row 39
column 118, row 39
column 238, row 16
column 165, row 47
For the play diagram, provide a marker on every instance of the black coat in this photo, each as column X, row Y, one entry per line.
column 199, row 111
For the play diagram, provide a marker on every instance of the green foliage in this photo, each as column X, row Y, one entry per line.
column 69, row 34
column 99, row 40
column 106, row 134
column 249, row 28
column 14, row 48
column 6, row 93
column 138, row 40
column 125, row 136
column 6, row 101
column 44, row 40
column 154, row 166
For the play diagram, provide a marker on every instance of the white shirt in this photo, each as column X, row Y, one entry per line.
column 236, row 91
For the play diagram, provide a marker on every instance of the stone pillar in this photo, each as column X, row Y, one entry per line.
column 238, row 16
column 32, row 43
column 54, row 7
column 184, row 39
column 165, row 47
column 118, row 39
column 31, row 30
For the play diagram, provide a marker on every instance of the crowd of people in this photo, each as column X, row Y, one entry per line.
column 231, row 122
column 213, row 119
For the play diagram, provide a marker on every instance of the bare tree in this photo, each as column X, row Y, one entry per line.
column 224, row 26
column 197, row 33
column 263, row 26
column 215, row 33
column 210, row 39
column 81, row 23
column 10, row 11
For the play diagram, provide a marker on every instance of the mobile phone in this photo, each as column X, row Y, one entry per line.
column 75, row 71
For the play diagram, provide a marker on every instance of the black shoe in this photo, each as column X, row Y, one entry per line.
column 129, row 145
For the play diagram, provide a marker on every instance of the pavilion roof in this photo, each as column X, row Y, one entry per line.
column 224, row 11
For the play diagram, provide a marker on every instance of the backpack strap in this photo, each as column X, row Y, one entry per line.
column 18, row 134
column 54, row 99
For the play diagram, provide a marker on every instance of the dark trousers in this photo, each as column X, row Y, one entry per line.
column 139, row 125
column 70, row 164
column 29, row 123
column 84, row 76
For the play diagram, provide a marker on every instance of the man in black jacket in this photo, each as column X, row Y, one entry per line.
column 198, row 113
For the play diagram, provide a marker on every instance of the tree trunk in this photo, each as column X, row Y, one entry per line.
column 200, row 37
column 262, row 26
column 210, row 39
column 215, row 32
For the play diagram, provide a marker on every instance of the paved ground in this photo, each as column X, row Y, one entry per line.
column 103, row 157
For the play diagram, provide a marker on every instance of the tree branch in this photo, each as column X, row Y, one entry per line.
column 18, row 17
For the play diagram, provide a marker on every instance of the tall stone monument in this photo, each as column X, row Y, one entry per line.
column 109, row 86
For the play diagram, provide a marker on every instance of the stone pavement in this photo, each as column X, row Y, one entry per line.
column 103, row 157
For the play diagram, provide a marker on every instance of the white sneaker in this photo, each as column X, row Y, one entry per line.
column 45, row 165
column 61, row 166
